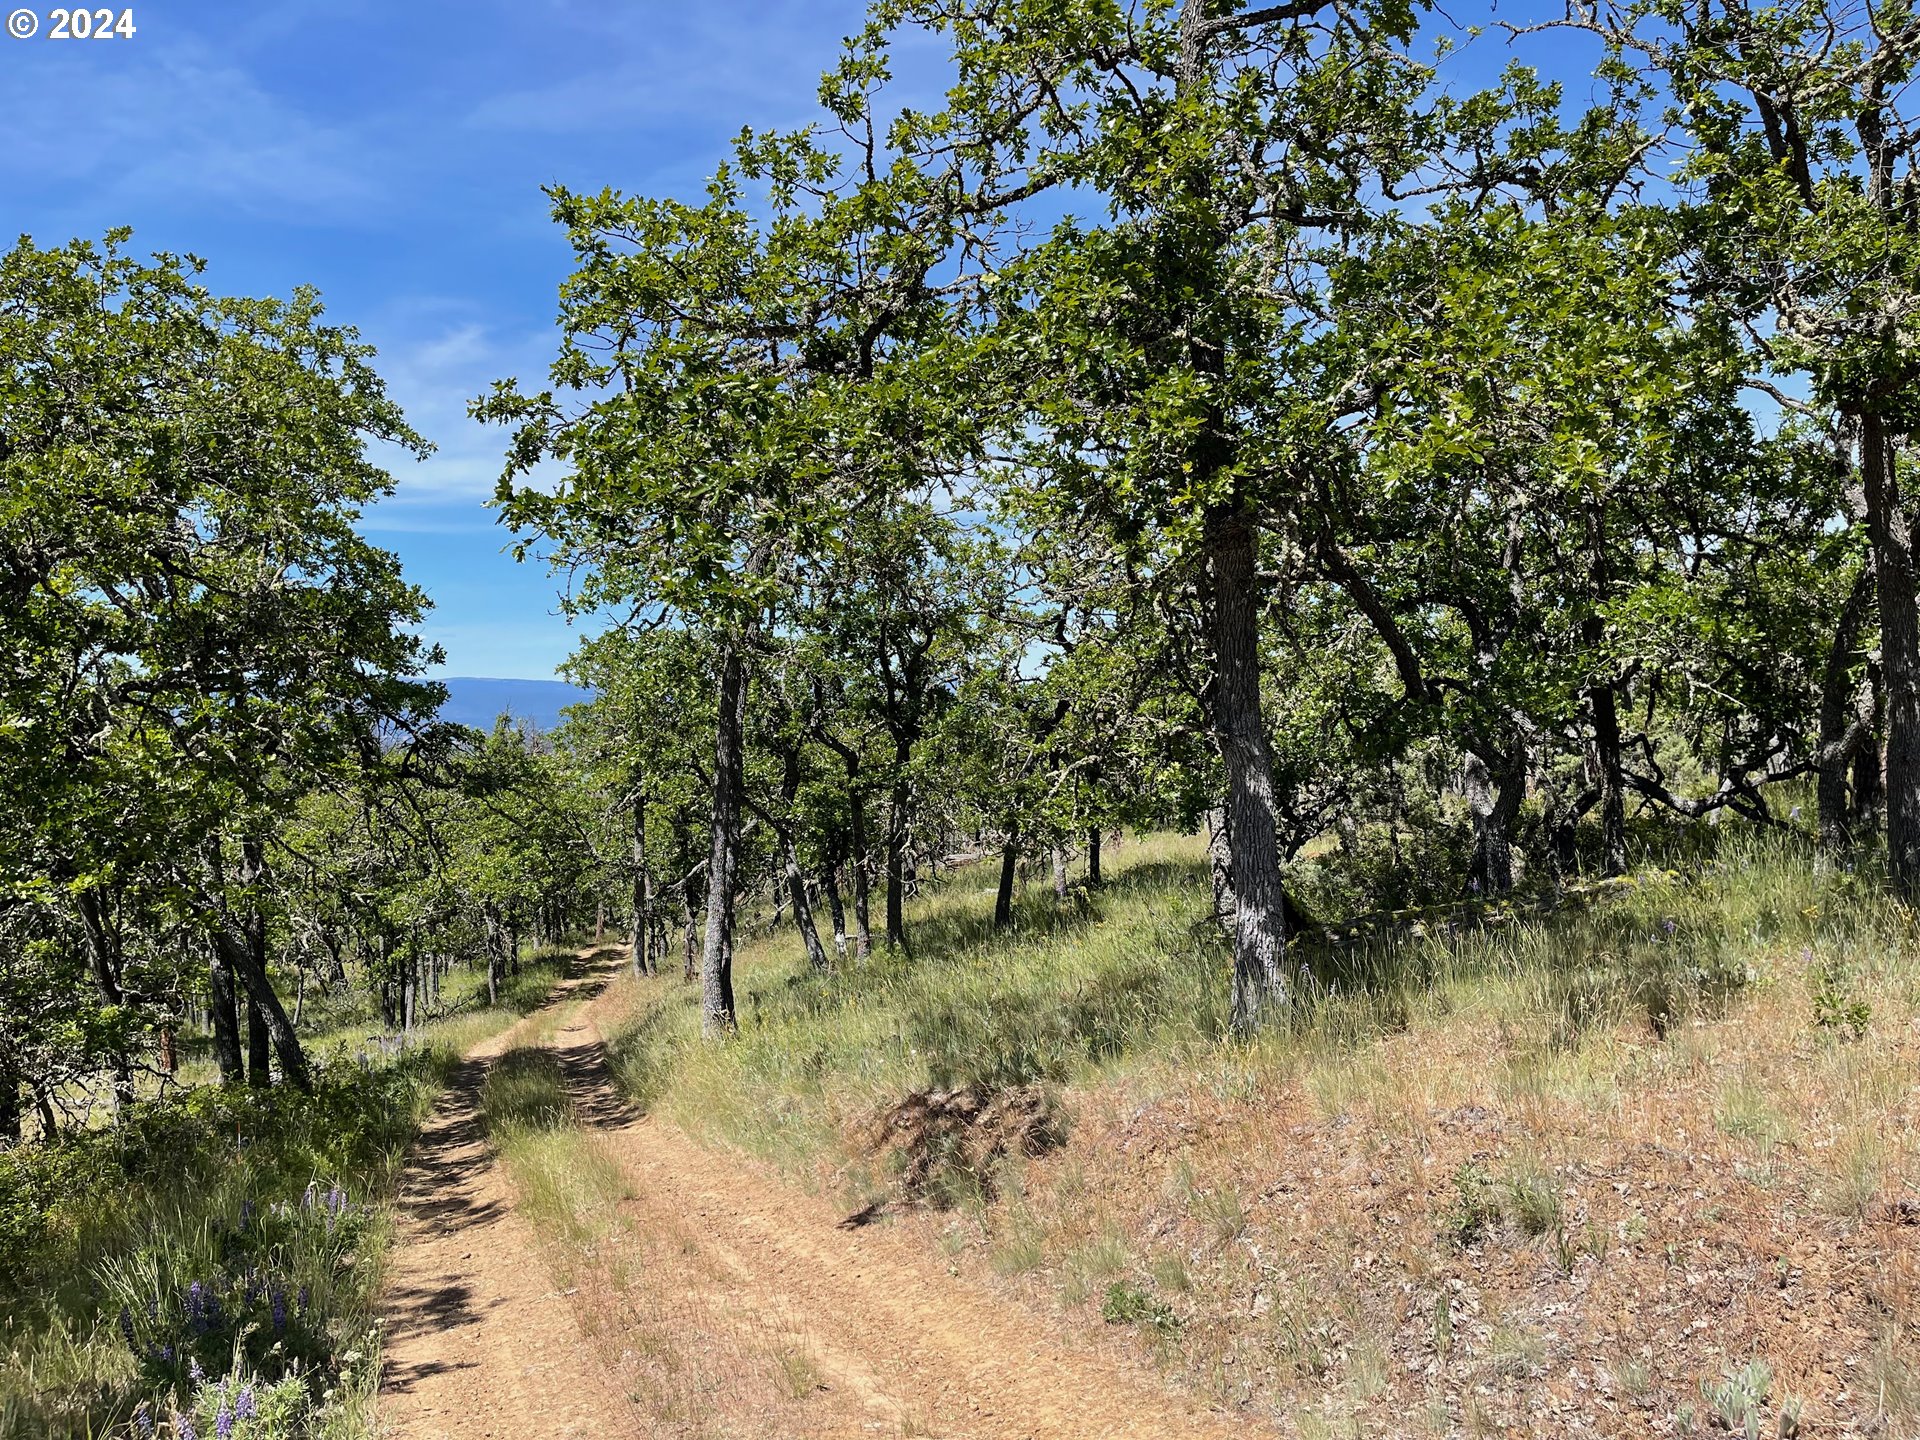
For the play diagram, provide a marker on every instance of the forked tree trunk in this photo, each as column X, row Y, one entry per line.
column 259, row 989
column 1502, row 790
column 717, row 1017
column 1893, row 570
column 1260, row 980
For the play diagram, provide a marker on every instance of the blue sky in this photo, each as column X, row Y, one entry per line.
column 391, row 152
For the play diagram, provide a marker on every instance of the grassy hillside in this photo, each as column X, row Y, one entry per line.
column 1645, row 1164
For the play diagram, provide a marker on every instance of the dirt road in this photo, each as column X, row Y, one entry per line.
column 729, row 1304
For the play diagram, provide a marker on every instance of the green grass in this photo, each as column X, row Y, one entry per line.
column 567, row 1185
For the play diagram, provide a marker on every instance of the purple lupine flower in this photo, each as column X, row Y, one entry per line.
column 337, row 1200
column 183, row 1428
column 1669, row 926
column 126, row 1324
column 279, row 1309
column 166, row 1354
column 244, row 1408
column 194, row 1372
column 313, row 1191
column 223, row 1422
column 301, row 1304
column 143, row 1421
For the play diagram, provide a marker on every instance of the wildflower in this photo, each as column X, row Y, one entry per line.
column 194, row 1372
column 244, row 1408
column 183, row 1428
column 336, row 1201
column 143, row 1421
column 313, row 1193
column 126, row 1324
column 279, row 1309
column 223, row 1422
column 1669, row 926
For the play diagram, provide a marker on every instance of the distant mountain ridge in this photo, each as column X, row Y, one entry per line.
column 475, row 700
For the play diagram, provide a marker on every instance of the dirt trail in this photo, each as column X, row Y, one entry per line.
column 899, row 1344
column 478, row 1343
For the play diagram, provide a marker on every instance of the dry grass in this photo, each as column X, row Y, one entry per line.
column 1685, row 1153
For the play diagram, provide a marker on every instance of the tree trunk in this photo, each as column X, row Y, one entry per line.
column 1869, row 758
column 803, row 912
column 496, row 947
column 897, row 865
column 1220, row 866
column 862, row 929
column 259, row 1048
column 259, row 1040
column 1843, row 731
column 1009, row 864
column 688, row 933
column 1503, row 789
column 1611, row 780
column 103, row 953
column 1260, row 981
column 1093, row 855
column 12, row 1104
column 642, row 890
column 830, row 887
column 717, row 1015
column 1893, row 571
column 293, row 1060
column 1060, row 873
column 224, row 1015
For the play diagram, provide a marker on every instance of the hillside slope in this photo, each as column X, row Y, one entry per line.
column 1642, row 1168
column 476, row 701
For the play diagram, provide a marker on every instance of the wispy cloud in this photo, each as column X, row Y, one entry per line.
column 175, row 123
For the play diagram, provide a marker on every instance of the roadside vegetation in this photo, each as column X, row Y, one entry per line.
column 209, row 1262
